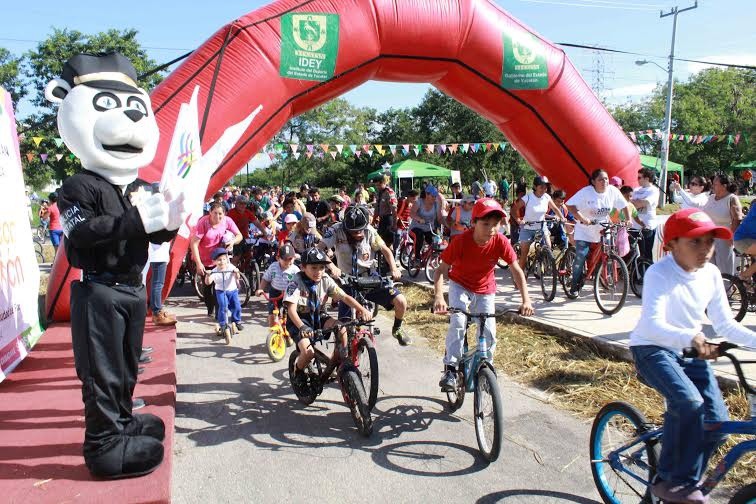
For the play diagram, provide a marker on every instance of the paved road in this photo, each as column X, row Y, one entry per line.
column 242, row 435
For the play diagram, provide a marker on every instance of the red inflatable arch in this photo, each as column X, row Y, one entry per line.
column 293, row 55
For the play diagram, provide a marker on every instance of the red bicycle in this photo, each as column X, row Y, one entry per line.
column 606, row 269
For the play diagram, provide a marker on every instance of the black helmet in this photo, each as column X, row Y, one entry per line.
column 539, row 180
column 314, row 256
column 356, row 218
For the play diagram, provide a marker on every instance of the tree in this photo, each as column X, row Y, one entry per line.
column 10, row 75
column 44, row 63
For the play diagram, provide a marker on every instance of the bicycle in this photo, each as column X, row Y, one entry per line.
column 39, row 251
column 741, row 294
column 608, row 271
column 476, row 373
column 405, row 245
column 245, row 292
column 630, row 461
column 542, row 264
column 278, row 336
column 636, row 265
column 320, row 372
column 430, row 253
column 365, row 357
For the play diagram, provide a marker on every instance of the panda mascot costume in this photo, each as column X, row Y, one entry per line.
column 109, row 218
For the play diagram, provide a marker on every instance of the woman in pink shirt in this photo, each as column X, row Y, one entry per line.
column 208, row 235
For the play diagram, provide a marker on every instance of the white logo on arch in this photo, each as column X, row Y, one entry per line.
column 310, row 31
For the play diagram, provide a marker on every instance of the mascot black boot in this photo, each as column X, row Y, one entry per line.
column 109, row 219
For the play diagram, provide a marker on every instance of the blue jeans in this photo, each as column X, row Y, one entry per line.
column 227, row 300
column 692, row 395
column 582, row 248
column 157, row 280
column 55, row 237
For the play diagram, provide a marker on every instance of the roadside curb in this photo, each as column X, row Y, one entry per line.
column 605, row 346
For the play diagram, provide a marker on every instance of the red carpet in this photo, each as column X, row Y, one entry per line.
column 42, row 425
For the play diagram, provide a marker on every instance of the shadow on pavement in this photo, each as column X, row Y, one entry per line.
column 514, row 494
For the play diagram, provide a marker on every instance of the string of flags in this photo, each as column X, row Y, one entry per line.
column 324, row 151
column 657, row 135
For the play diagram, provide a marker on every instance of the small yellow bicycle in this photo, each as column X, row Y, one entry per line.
column 278, row 336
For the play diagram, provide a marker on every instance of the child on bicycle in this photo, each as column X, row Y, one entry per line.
column 679, row 291
column 225, row 276
column 470, row 261
column 305, row 302
column 277, row 277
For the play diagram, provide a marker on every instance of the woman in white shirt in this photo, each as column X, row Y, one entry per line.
column 536, row 203
column 646, row 199
column 591, row 203
column 724, row 208
column 695, row 196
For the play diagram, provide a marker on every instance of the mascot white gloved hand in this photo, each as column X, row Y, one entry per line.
column 108, row 220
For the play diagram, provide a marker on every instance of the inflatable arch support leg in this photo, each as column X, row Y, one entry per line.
column 294, row 55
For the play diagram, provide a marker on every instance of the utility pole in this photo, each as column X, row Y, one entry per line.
column 668, row 113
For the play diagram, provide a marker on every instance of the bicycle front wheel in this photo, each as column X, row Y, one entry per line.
column 546, row 267
column 244, row 290
column 622, row 469
column 275, row 344
column 199, row 286
column 356, row 399
column 737, row 295
column 565, row 268
column 253, row 275
column 610, row 284
column 405, row 255
column 489, row 414
column 367, row 363
column 746, row 495
column 430, row 267
column 637, row 271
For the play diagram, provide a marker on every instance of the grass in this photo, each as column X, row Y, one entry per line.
column 576, row 374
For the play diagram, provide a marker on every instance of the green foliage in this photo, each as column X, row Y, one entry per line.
column 712, row 102
column 10, row 75
column 30, row 73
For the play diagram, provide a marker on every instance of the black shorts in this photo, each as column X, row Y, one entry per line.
column 274, row 293
column 382, row 296
column 307, row 319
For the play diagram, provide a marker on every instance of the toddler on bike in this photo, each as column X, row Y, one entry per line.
column 225, row 276
column 305, row 304
column 678, row 292
column 277, row 277
column 470, row 261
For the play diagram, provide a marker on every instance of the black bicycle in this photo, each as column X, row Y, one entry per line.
column 636, row 265
column 320, row 371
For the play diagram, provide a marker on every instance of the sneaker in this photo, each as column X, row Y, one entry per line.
column 289, row 341
column 448, row 382
column 162, row 318
column 138, row 403
column 675, row 492
column 401, row 336
column 239, row 326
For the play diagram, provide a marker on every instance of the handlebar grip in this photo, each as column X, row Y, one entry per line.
column 690, row 353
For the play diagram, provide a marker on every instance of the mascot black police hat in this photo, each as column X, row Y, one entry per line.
column 104, row 71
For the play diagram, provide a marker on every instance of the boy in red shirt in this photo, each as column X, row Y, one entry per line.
column 469, row 262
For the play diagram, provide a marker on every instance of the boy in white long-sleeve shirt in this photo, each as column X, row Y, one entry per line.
column 678, row 291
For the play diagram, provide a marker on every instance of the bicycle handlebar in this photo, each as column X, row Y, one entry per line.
column 321, row 334
column 508, row 311
column 367, row 282
column 273, row 300
column 722, row 351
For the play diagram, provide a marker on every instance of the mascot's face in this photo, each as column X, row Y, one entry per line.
column 113, row 133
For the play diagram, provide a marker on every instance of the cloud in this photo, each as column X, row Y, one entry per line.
column 733, row 59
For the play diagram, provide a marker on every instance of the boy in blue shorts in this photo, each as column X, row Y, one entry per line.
column 679, row 291
column 305, row 302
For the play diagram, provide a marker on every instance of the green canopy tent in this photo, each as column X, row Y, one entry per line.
column 654, row 163
column 405, row 172
column 750, row 165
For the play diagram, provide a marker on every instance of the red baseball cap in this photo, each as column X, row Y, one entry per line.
column 691, row 223
column 485, row 206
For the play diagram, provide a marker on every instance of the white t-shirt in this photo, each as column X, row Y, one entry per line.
column 224, row 279
column 595, row 206
column 535, row 209
column 647, row 214
column 279, row 278
column 676, row 303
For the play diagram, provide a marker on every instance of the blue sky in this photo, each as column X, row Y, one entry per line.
column 720, row 30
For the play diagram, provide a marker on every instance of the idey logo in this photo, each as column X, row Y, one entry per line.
column 309, row 31
column 186, row 157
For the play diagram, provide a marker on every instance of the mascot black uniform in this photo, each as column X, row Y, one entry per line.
column 109, row 219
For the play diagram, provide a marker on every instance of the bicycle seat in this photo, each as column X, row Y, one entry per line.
column 367, row 283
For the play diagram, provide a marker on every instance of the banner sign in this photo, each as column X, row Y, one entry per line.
column 524, row 62
column 309, row 45
column 19, row 272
